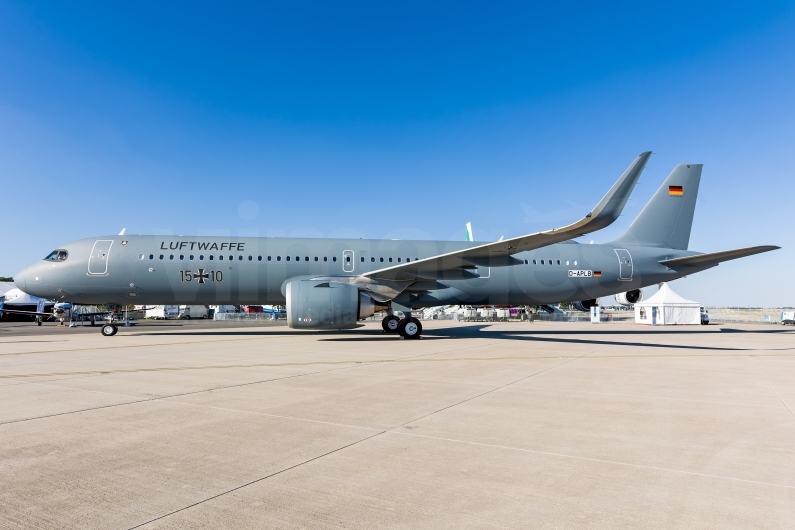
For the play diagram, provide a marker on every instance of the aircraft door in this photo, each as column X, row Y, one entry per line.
column 98, row 260
column 347, row 261
column 624, row 264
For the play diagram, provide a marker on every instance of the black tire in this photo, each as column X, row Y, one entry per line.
column 186, row 317
column 391, row 324
column 38, row 322
column 109, row 330
column 410, row 328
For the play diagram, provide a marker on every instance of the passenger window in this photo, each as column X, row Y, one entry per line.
column 231, row 258
column 161, row 257
column 542, row 262
column 558, row 262
column 390, row 260
column 550, row 262
column 287, row 258
column 315, row 258
column 221, row 258
column 212, row 257
column 259, row 258
column 171, row 257
column 325, row 258
column 334, row 258
column 382, row 260
column 307, row 258
column 250, row 258
column 347, row 259
column 278, row 258
column 182, row 257
column 525, row 262
column 534, row 262
column 201, row 257
column 567, row 262
column 398, row 260
column 269, row 258
column 191, row 257
column 362, row 259
column 372, row 260
column 151, row 256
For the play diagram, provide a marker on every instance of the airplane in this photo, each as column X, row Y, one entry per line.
column 334, row 283
column 61, row 311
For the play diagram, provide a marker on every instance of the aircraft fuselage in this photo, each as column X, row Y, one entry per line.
column 243, row 270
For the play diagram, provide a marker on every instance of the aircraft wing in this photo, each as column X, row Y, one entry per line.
column 714, row 258
column 458, row 264
column 18, row 312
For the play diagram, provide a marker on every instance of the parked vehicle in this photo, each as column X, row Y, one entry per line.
column 787, row 317
column 704, row 316
column 161, row 312
column 193, row 311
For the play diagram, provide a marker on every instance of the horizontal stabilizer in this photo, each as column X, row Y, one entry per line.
column 714, row 258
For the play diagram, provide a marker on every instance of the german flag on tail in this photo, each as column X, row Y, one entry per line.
column 676, row 191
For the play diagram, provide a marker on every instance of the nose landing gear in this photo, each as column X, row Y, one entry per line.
column 108, row 330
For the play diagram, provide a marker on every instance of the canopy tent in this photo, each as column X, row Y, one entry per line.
column 666, row 308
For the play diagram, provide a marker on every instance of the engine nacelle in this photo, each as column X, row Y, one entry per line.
column 630, row 297
column 319, row 304
column 585, row 305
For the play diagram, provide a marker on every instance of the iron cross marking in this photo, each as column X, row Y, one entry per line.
column 201, row 276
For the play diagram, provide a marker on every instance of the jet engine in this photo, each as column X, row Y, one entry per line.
column 584, row 305
column 630, row 297
column 321, row 304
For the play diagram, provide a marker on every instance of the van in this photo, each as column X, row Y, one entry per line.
column 193, row 311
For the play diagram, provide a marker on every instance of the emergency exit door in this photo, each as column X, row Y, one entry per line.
column 347, row 261
column 98, row 260
column 624, row 264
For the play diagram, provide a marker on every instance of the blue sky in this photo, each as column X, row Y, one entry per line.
column 401, row 120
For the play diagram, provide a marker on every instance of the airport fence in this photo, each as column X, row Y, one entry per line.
column 770, row 315
column 239, row 317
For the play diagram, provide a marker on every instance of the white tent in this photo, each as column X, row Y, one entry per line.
column 17, row 297
column 666, row 307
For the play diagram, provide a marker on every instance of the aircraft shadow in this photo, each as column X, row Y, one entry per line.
column 483, row 331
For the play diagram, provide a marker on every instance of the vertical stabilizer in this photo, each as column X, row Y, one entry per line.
column 666, row 220
column 469, row 232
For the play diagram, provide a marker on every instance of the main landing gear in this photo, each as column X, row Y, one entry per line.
column 408, row 328
column 109, row 330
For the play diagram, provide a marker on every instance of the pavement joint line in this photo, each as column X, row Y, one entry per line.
column 156, row 398
column 641, row 396
column 236, row 488
column 359, row 441
column 371, row 361
column 590, row 459
column 770, row 387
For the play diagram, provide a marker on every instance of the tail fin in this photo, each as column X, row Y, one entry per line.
column 666, row 220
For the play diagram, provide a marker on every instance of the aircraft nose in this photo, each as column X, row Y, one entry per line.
column 20, row 279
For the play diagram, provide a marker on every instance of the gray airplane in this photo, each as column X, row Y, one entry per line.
column 333, row 283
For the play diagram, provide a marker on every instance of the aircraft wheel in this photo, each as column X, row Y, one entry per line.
column 38, row 322
column 109, row 330
column 186, row 317
column 391, row 324
column 410, row 328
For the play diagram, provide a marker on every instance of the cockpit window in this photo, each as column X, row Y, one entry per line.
column 57, row 255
